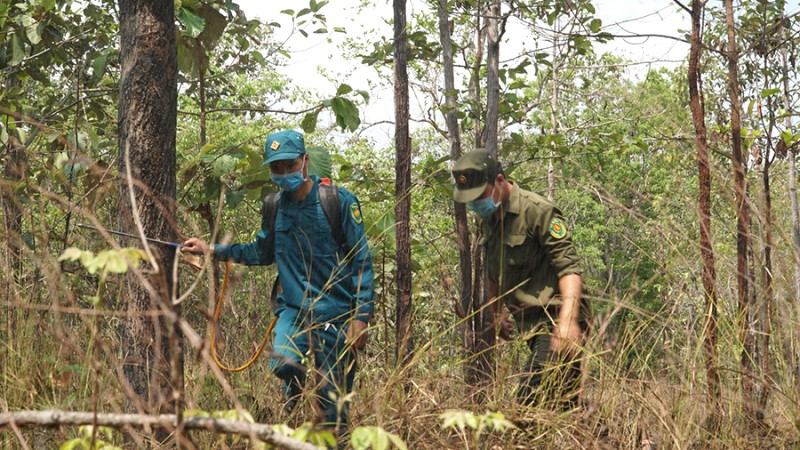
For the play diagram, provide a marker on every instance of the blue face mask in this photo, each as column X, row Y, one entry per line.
column 484, row 207
column 289, row 181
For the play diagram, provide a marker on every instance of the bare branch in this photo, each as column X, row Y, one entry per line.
column 169, row 421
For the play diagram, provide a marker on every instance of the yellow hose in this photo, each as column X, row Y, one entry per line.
column 214, row 326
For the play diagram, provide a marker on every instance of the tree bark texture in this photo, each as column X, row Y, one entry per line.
column 402, row 139
column 492, row 74
column 454, row 137
column 742, row 213
column 704, row 199
column 475, row 78
column 151, row 341
column 792, row 306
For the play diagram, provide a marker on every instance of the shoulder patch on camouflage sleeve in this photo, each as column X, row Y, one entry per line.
column 355, row 213
column 557, row 228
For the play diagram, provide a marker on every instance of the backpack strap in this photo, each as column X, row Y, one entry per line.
column 269, row 213
column 329, row 200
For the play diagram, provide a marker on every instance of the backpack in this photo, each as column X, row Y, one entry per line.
column 328, row 199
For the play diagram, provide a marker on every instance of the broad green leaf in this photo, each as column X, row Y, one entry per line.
column 343, row 89
column 17, row 51
column 595, row 25
column 346, row 113
column 193, row 23
column 361, row 438
column 309, row 123
column 224, row 165
column 99, row 64
column 214, row 25
column 4, row 7
column 109, row 261
column 32, row 29
column 320, row 163
column 381, row 439
column 233, row 198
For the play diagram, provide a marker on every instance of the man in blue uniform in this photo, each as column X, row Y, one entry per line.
column 327, row 286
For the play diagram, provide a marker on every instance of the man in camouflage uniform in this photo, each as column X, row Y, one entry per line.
column 533, row 269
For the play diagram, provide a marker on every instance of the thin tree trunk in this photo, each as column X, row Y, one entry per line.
column 454, row 138
column 492, row 75
column 791, row 156
column 475, row 79
column 704, row 199
column 742, row 213
column 405, row 339
column 482, row 370
column 551, row 172
column 151, row 343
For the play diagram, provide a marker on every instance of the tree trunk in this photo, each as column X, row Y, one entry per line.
column 454, row 137
column 405, row 339
column 551, row 172
column 492, row 74
column 704, row 199
column 791, row 156
column 475, row 79
column 150, row 339
column 743, row 221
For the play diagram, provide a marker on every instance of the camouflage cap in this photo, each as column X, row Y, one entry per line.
column 472, row 173
column 286, row 144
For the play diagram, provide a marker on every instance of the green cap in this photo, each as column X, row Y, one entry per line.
column 472, row 173
column 286, row 144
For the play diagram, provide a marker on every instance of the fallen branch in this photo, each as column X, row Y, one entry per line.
column 57, row 418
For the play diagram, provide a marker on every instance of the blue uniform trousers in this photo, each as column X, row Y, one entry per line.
column 300, row 344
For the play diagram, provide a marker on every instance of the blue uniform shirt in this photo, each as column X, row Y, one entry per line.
column 317, row 277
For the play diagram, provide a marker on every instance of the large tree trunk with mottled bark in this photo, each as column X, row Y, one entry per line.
column 149, row 337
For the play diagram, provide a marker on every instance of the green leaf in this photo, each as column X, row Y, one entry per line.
column 309, row 122
column 99, row 64
column 193, row 23
column 109, row 261
column 72, row 444
column 361, row 438
column 346, row 113
column 17, row 51
column 32, row 29
column 71, row 254
column 233, row 199
column 595, row 25
column 320, row 163
column 767, row 92
column 214, row 25
column 343, row 89
column 224, row 165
